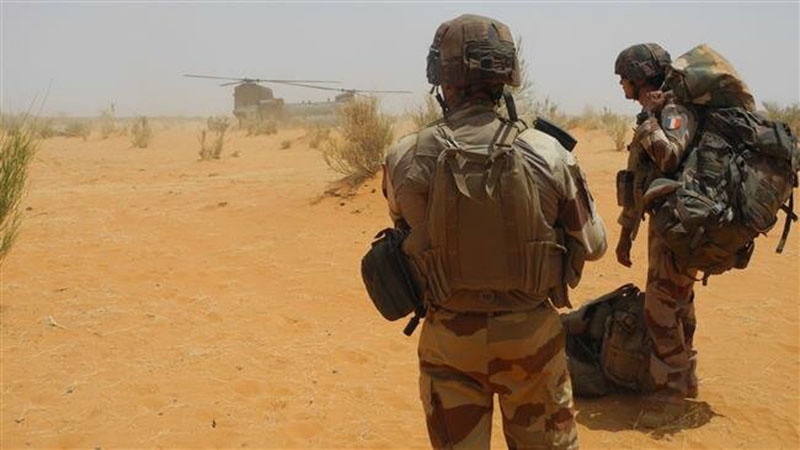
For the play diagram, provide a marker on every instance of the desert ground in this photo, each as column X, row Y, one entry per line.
column 153, row 300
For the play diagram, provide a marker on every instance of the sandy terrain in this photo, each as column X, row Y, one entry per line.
column 153, row 300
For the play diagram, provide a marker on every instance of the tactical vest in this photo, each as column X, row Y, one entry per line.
column 486, row 228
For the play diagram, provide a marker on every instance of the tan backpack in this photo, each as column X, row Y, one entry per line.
column 485, row 222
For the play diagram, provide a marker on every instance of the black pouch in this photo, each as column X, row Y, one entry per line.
column 388, row 279
column 625, row 188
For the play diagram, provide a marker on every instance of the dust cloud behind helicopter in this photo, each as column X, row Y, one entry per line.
column 81, row 57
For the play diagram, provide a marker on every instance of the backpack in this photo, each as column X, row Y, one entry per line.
column 486, row 228
column 607, row 345
column 741, row 171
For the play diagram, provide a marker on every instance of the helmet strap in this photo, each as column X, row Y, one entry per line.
column 440, row 100
column 511, row 106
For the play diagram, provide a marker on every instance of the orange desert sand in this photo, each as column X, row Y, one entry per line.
column 153, row 300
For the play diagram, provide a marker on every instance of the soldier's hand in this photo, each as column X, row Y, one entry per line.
column 624, row 248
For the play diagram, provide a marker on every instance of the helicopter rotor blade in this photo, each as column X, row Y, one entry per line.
column 354, row 91
column 234, row 80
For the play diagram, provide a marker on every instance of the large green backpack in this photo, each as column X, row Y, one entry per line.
column 741, row 171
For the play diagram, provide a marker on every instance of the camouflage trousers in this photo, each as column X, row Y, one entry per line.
column 467, row 358
column 670, row 319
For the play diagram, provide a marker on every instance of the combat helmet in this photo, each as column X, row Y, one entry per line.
column 642, row 62
column 473, row 49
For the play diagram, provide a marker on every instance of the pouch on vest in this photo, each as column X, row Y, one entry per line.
column 389, row 281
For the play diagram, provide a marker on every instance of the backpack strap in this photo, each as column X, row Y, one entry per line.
column 790, row 217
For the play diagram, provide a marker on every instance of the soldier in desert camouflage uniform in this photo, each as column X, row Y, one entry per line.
column 478, row 341
column 662, row 138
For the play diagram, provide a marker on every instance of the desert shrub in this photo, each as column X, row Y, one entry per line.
column 109, row 125
column 617, row 126
column 365, row 134
column 286, row 144
column 260, row 126
column 141, row 132
column 17, row 146
column 426, row 114
column 549, row 110
column 78, row 128
column 788, row 114
column 212, row 139
column 318, row 135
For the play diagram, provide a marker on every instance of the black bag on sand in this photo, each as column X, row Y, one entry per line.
column 389, row 281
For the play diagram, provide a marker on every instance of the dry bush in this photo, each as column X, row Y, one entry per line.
column 109, row 125
column 617, row 126
column 426, row 114
column 589, row 119
column 365, row 134
column 286, row 144
column 78, row 128
column 212, row 148
column 550, row 111
column 141, row 132
column 790, row 115
column 17, row 146
column 319, row 135
column 259, row 125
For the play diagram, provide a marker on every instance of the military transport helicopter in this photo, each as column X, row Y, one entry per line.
column 251, row 100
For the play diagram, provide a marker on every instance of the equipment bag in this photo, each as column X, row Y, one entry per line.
column 702, row 76
column 389, row 281
column 607, row 344
column 732, row 185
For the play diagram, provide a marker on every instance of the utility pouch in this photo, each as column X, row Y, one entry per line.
column 625, row 188
column 387, row 276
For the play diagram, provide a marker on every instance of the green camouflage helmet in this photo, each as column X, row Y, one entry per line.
column 471, row 50
column 641, row 62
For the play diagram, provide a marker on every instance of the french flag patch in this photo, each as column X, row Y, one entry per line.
column 674, row 122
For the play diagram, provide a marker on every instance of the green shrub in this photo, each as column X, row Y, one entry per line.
column 364, row 135
column 17, row 146
column 141, row 132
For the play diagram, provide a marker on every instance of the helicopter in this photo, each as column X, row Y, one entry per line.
column 252, row 101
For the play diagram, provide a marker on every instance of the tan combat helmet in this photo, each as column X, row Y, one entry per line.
column 470, row 50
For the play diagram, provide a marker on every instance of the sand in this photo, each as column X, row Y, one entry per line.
column 153, row 300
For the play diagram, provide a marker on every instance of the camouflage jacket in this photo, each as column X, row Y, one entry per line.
column 564, row 195
column 659, row 145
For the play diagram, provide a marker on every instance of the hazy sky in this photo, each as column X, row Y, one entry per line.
column 85, row 55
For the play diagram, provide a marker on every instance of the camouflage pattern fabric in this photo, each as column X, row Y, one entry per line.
column 659, row 145
column 704, row 77
column 669, row 315
column 467, row 358
column 563, row 194
column 473, row 50
column 641, row 62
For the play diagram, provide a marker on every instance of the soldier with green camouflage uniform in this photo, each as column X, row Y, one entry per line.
column 662, row 138
column 496, row 242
